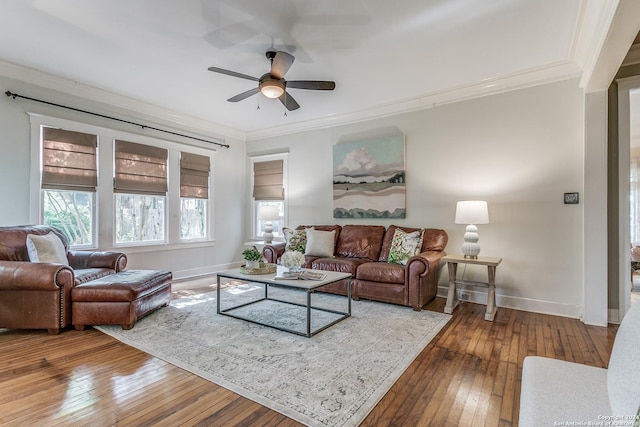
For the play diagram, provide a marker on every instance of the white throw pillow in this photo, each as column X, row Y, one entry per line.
column 46, row 248
column 320, row 243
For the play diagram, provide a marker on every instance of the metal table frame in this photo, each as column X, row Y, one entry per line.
column 304, row 285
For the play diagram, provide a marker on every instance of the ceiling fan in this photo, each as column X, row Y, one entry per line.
column 273, row 84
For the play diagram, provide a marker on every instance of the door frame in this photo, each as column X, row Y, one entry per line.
column 625, row 85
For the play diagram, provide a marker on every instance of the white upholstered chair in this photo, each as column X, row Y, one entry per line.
column 556, row 391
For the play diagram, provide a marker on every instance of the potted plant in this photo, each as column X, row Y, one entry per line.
column 252, row 256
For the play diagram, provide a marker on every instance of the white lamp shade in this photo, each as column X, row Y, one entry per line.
column 268, row 213
column 472, row 212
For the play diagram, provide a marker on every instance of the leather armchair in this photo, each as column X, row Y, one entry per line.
column 38, row 295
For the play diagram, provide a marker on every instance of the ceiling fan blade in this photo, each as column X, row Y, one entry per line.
column 232, row 73
column 281, row 64
column 288, row 101
column 244, row 95
column 311, row 84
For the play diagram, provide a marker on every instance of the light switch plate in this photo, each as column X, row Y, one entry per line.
column 571, row 198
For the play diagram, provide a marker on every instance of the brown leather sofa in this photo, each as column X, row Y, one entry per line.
column 363, row 251
column 38, row 295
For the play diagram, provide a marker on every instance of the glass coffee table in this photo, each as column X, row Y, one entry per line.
column 276, row 290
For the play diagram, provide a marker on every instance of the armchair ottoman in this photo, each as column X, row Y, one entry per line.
column 120, row 299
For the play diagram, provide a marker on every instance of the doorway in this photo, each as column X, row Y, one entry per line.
column 629, row 191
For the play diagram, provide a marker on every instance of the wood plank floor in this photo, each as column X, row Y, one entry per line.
column 469, row 375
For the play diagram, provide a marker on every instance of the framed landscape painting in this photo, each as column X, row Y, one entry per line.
column 369, row 178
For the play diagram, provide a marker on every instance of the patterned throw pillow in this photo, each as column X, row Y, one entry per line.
column 405, row 245
column 296, row 240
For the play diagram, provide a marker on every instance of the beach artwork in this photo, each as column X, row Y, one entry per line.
column 369, row 179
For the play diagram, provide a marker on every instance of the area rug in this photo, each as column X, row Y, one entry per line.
column 334, row 378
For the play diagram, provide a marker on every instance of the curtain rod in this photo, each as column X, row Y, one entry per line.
column 15, row 95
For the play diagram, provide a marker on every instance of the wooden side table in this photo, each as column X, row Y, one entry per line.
column 452, row 296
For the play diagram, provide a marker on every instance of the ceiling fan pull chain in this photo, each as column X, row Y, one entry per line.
column 258, row 109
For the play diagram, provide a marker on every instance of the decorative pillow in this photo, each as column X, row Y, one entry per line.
column 296, row 240
column 320, row 243
column 47, row 248
column 405, row 245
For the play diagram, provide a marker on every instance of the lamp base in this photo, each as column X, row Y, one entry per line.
column 470, row 247
column 268, row 232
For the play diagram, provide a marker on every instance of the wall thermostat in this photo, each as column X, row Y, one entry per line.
column 571, row 198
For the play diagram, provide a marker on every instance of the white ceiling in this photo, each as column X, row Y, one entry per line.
column 383, row 55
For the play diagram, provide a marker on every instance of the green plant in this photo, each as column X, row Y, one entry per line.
column 251, row 254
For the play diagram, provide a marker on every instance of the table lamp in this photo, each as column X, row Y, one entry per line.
column 268, row 213
column 471, row 212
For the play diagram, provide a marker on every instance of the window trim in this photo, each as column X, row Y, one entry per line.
column 284, row 156
column 104, row 200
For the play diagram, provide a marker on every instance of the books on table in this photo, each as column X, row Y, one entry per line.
column 302, row 275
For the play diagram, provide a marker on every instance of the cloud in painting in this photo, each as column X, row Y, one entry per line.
column 357, row 160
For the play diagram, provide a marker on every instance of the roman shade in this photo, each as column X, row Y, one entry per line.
column 194, row 176
column 268, row 180
column 140, row 169
column 69, row 160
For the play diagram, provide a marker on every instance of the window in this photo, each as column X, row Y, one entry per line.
column 194, row 195
column 106, row 188
column 68, row 182
column 140, row 187
column 72, row 212
column 139, row 218
column 269, row 191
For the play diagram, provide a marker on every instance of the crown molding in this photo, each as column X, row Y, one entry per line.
column 527, row 78
column 590, row 35
column 613, row 35
column 493, row 85
column 60, row 84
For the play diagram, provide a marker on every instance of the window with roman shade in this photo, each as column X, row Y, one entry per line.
column 194, row 176
column 140, row 169
column 69, row 160
column 268, row 180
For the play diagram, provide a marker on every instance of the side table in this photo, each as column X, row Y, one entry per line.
column 452, row 297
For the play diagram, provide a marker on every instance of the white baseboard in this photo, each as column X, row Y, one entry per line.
column 519, row 303
column 204, row 271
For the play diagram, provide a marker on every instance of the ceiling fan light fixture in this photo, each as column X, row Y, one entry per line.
column 272, row 89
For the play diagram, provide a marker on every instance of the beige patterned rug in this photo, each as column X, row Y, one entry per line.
column 334, row 378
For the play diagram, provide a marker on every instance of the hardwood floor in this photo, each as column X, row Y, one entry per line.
column 469, row 375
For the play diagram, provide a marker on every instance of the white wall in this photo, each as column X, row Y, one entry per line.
column 228, row 177
column 519, row 150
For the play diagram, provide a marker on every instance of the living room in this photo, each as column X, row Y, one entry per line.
column 519, row 144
